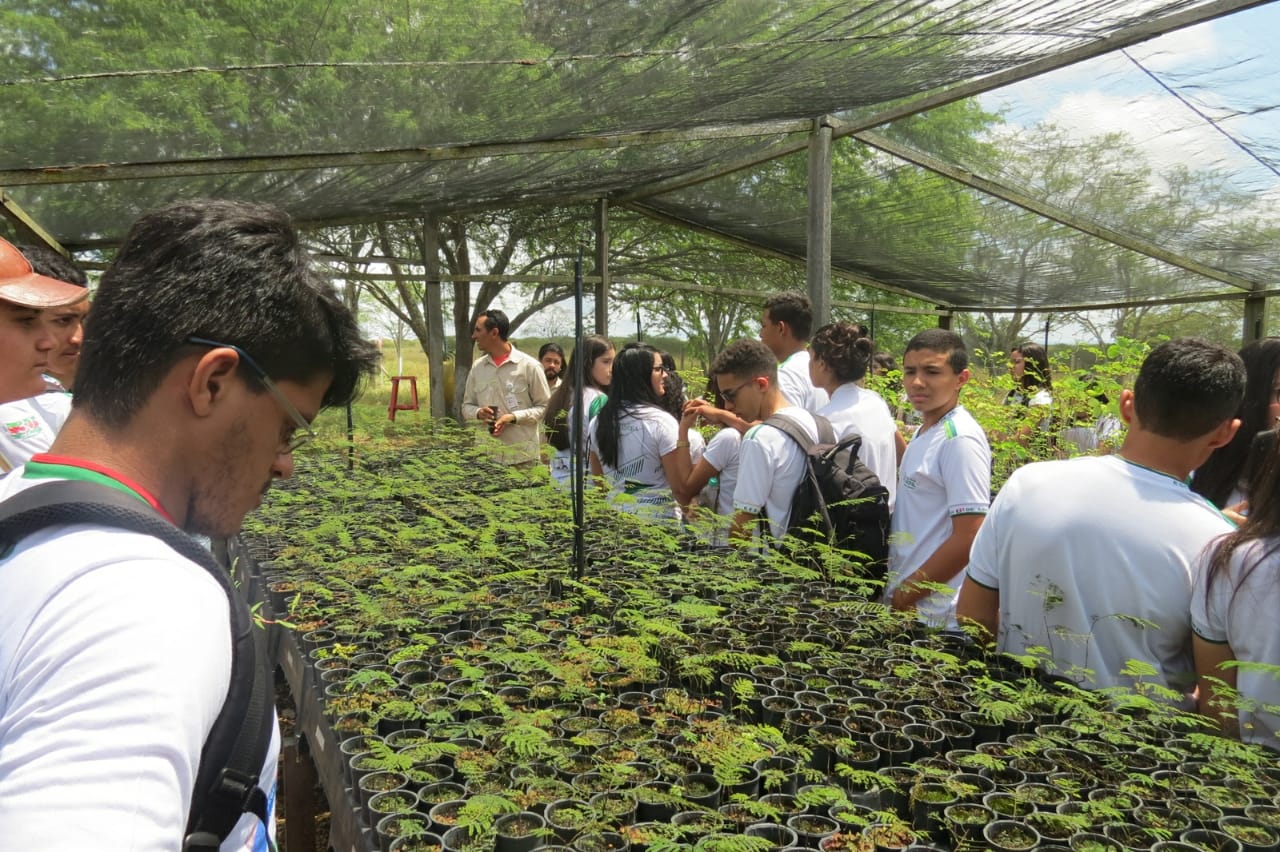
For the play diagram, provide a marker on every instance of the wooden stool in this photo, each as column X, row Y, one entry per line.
column 396, row 404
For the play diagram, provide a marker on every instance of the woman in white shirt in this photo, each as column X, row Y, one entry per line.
column 1233, row 608
column 597, row 373
column 838, row 360
column 635, row 444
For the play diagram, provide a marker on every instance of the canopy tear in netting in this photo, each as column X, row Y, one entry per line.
column 1144, row 170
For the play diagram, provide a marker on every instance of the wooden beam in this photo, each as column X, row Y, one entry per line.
column 1255, row 319
column 1128, row 303
column 435, row 314
column 206, row 166
column 848, row 275
column 1050, row 211
column 818, row 242
column 602, row 267
column 28, row 228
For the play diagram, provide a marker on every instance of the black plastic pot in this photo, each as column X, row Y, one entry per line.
column 779, row 835
column 809, row 829
column 1008, row 835
column 519, row 832
column 567, row 817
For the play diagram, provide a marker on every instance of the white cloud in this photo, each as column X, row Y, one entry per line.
column 1180, row 49
column 1163, row 129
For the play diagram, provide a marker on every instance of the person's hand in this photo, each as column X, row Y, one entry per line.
column 501, row 423
column 695, row 404
column 905, row 596
column 1238, row 513
column 487, row 413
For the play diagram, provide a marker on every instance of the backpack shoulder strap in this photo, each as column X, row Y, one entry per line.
column 231, row 760
column 797, row 433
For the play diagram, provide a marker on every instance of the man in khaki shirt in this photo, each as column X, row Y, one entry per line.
column 506, row 390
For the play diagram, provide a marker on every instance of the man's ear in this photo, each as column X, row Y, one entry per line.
column 964, row 376
column 1226, row 430
column 1126, row 407
column 210, row 379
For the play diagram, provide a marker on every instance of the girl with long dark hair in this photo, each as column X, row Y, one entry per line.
column 1221, row 479
column 597, row 373
column 635, row 444
column 1233, row 609
column 1029, row 367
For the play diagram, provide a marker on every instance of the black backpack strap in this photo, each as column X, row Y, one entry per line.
column 796, row 432
column 233, row 754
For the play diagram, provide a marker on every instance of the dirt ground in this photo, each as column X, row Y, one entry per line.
column 288, row 724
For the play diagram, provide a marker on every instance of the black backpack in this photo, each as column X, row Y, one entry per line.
column 839, row 501
column 234, row 752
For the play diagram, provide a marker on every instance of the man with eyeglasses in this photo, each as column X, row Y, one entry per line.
column 212, row 348
column 770, row 463
column 506, row 391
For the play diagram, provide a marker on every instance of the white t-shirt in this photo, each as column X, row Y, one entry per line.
column 722, row 454
column 562, row 460
column 856, row 410
column 115, row 657
column 770, row 465
column 1242, row 614
column 646, row 434
column 1078, row 549
column 793, row 379
column 28, row 426
column 945, row 472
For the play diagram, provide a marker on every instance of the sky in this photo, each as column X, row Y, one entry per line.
column 1227, row 67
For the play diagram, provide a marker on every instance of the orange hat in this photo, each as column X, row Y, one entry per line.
column 20, row 284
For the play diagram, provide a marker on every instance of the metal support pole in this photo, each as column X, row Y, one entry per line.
column 818, row 267
column 1255, row 318
column 435, row 313
column 602, row 267
column 578, row 428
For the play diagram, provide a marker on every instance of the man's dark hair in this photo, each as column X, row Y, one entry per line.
column 747, row 359
column 946, row 342
column 494, row 318
column 550, row 347
column 841, row 347
column 1186, row 388
column 46, row 261
column 793, row 308
column 228, row 271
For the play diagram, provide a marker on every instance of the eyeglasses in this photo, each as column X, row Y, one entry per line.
column 730, row 393
column 661, row 369
column 304, row 432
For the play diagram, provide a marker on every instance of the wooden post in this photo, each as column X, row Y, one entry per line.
column 944, row 320
column 602, row 267
column 1255, row 318
column 435, row 313
column 299, row 781
column 818, row 265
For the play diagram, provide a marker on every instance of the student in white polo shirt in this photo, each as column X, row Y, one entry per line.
column 785, row 329
column 944, row 482
column 770, row 463
column 1092, row 559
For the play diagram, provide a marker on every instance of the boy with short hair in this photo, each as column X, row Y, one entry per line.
column 770, row 463
column 785, row 327
column 944, row 482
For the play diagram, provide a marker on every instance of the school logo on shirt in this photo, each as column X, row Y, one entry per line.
column 909, row 482
column 23, row 430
